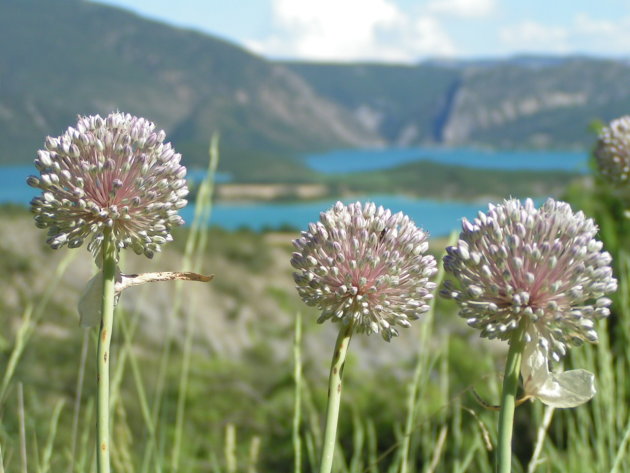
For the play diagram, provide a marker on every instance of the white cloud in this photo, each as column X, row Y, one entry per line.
column 532, row 36
column 351, row 30
column 606, row 35
column 586, row 24
column 582, row 34
column 430, row 38
column 464, row 8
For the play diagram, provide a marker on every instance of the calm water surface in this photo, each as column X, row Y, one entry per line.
column 346, row 161
column 437, row 217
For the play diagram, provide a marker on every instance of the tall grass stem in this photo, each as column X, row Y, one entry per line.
column 254, row 454
column 50, row 441
column 230, row 448
column 30, row 318
column 22, row 420
column 438, row 449
column 540, row 440
column 1, row 460
column 77, row 399
column 195, row 246
column 421, row 366
column 622, row 450
column 127, row 333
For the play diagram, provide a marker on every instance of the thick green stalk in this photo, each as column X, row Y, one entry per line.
column 334, row 397
column 508, row 401
column 103, row 354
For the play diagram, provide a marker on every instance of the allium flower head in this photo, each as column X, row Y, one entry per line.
column 109, row 173
column 541, row 267
column 365, row 266
column 613, row 151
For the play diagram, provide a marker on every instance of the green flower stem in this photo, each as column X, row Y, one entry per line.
column 508, row 401
column 103, row 354
column 334, row 397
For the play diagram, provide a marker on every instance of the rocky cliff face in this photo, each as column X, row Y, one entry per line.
column 512, row 103
column 405, row 105
column 550, row 106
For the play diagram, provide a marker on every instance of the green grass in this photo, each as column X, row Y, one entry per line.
column 429, row 179
column 214, row 378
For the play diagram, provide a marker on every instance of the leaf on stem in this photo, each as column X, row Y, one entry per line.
column 91, row 298
column 566, row 389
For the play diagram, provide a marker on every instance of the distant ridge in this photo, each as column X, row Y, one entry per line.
column 67, row 57
column 524, row 60
column 520, row 102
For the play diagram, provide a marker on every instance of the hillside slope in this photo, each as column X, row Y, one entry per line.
column 522, row 102
column 403, row 104
column 67, row 57
column 541, row 107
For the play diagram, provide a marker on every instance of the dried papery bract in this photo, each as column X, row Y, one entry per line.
column 612, row 151
column 368, row 270
column 114, row 183
column 537, row 278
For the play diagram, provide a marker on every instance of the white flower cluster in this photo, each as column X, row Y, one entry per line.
column 542, row 267
column 109, row 173
column 613, row 151
column 363, row 265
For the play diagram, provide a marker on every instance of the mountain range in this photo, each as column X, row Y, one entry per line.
column 60, row 58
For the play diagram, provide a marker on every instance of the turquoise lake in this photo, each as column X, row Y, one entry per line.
column 347, row 161
column 437, row 217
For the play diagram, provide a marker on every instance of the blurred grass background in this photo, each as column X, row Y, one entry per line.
column 211, row 378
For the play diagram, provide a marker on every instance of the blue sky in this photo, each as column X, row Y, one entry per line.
column 403, row 30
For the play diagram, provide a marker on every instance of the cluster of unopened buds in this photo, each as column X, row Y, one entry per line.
column 515, row 266
column 362, row 265
column 111, row 173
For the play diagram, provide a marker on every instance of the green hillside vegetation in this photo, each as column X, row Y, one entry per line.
column 540, row 107
column 526, row 102
column 423, row 179
column 239, row 396
column 69, row 57
column 429, row 179
column 405, row 104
